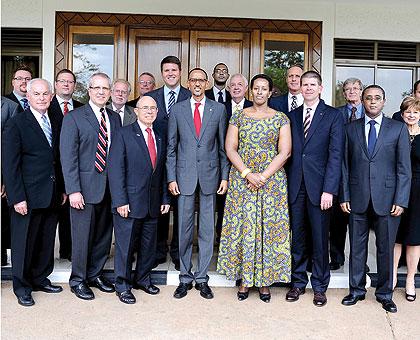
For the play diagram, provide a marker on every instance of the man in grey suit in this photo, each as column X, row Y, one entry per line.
column 196, row 164
column 86, row 136
column 120, row 91
column 376, row 187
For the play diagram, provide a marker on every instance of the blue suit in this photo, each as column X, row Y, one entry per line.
column 314, row 168
column 280, row 103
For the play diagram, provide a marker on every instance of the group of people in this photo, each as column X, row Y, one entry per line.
column 285, row 174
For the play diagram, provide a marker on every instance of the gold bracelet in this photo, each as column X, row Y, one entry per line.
column 245, row 172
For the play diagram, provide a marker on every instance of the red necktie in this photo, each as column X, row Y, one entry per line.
column 102, row 147
column 65, row 108
column 197, row 119
column 151, row 146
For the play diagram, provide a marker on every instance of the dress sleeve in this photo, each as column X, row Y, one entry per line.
column 284, row 120
column 235, row 119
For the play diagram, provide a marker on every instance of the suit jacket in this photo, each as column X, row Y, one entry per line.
column 8, row 109
column 55, row 110
column 210, row 95
column 228, row 105
column 316, row 159
column 280, row 103
column 79, row 140
column 133, row 103
column 397, row 116
column 385, row 177
column 343, row 110
column 192, row 159
column 31, row 167
column 129, row 115
column 161, row 123
column 128, row 158
column 12, row 96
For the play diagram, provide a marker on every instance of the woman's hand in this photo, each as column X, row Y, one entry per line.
column 255, row 180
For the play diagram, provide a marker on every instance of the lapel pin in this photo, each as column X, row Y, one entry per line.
column 138, row 134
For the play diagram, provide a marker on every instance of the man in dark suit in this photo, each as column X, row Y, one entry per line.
column 219, row 92
column 86, row 136
column 196, row 165
column 21, row 76
column 416, row 94
column 314, row 172
column 145, row 84
column 137, row 201
column 293, row 98
column 120, row 90
column 352, row 110
column 61, row 104
column 376, row 189
column 34, row 185
column 166, row 96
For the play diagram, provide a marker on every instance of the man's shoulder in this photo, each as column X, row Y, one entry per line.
column 155, row 93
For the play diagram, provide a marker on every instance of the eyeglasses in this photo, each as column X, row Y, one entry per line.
column 147, row 108
column 354, row 89
column 371, row 98
column 120, row 92
column 222, row 71
column 194, row 80
column 22, row 78
column 62, row 81
column 146, row 82
column 99, row 88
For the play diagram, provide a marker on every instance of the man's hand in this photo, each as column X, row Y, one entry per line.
column 173, row 188
column 223, row 187
column 76, row 200
column 124, row 210
column 21, row 208
column 164, row 208
column 345, row 207
column 396, row 210
column 326, row 200
column 3, row 191
column 63, row 198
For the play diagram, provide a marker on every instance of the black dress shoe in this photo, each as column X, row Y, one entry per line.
column 102, row 284
column 320, row 299
column 182, row 290
column 335, row 266
column 49, row 288
column 177, row 264
column 26, row 300
column 126, row 297
column 351, row 299
column 294, row 293
column 205, row 290
column 243, row 295
column 82, row 291
column 159, row 261
column 388, row 305
column 265, row 297
column 150, row 289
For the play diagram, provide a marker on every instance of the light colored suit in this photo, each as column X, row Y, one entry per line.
column 197, row 164
column 129, row 115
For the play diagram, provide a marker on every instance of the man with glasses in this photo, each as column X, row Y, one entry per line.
column 196, row 165
column 218, row 92
column 120, row 90
column 86, row 136
column 145, row 84
column 21, row 76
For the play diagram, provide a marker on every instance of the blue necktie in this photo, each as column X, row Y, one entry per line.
column 171, row 101
column 25, row 103
column 45, row 125
column 220, row 99
column 371, row 137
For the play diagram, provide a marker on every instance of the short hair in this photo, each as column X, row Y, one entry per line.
column 237, row 75
column 123, row 81
column 311, row 74
column 410, row 102
column 295, row 65
column 65, row 70
column 214, row 68
column 32, row 81
column 352, row 81
column 170, row 59
column 374, row 86
column 148, row 74
column 23, row 67
column 99, row 74
column 198, row 69
column 265, row 77
column 416, row 85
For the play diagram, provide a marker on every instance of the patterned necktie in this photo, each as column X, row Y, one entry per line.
column 25, row 103
column 307, row 121
column 171, row 101
column 371, row 137
column 353, row 116
column 220, row 99
column 151, row 146
column 101, row 148
column 197, row 119
column 237, row 108
column 294, row 103
column 46, row 127
column 65, row 107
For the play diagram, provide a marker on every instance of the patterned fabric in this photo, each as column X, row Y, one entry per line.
column 101, row 148
column 307, row 122
column 171, row 101
column 255, row 238
column 45, row 125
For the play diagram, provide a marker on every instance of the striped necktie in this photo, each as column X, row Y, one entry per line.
column 171, row 101
column 46, row 127
column 307, row 121
column 101, row 148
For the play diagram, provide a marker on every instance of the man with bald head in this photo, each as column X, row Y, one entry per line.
column 34, row 186
column 137, row 201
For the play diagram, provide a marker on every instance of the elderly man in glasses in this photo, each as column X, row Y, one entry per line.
column 146, row 83
column 120, row 90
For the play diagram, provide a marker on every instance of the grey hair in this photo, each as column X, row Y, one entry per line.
column 236, row 75
column 99, row 74
column 29, row 85
column 122, row 81
column 352, row 81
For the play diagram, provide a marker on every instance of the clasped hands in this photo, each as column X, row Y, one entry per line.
column 255, row 180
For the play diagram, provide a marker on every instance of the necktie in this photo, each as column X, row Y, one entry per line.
column 171, row 101
column 237, row 108
column 197, row 119
column 65, row 108
column 25, row 103
column 45, row 125
column 220, row 99
column 353, row 114
column 307, row 121
column 371, row 137
column 121, row 117
column 151, row 146
column 294, row 103
column 101, row 148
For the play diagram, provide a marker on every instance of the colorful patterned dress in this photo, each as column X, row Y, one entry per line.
column 255, row 239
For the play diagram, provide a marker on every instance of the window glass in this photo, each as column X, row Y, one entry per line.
column 365, row 74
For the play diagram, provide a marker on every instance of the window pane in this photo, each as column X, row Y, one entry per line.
column 91, row 53
column 365, row 74
column 397, row 84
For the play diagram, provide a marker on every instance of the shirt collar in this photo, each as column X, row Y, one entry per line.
column 313, row 107
column 61, row 100
column 142, row 126
column 116, row 110
column 96, row 109
column 18, row 96
column 166, row 90
column 378, row 119
column 358, row 107
column 296, row 95
column 241, row 103
column 38, row 115
column 202, row 101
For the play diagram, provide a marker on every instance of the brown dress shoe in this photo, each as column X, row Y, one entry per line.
column 294, row 293
column 320, row 299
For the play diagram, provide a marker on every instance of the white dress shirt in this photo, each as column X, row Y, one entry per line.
column 166, row 91
column 119, row 111
column 145, row 134
column 239, row 106
column 312, row 112
column 200, row 108
column 216, row 93
column 38, row 116
column 378, row 124
column 61, row 101
column 97, row 112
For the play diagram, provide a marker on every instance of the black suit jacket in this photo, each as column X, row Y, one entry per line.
column 280, row 103
column 31, row 167
column 55, row 112
column 228, row 106
column 133, row 102
column 210, row 95
column 12, row 96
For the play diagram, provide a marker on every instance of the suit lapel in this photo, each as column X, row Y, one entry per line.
column 90, row 116
column 162, row 104
column 33, row 123
column 299, row 122
column 383, row 131
column 316, row 119
column 127, row 116
column 360, row 131
column 159, row 149
column 138, row 136
column 188, row 116
column 207, row 115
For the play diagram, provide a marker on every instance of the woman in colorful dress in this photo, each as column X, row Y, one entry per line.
column 255, row 239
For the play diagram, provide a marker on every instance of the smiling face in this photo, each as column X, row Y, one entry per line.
column 237, row 88
column 146, row 110
column 293, row 79
column 411, row 116
column 64, row 85
column 145, row 84
column 353, row 93
column 39, row 96
column 373, row 101
column 20, row 81
column 311, row 89
column 171, row 75
column 99, row 90
column 119, row 94
column 197, row 84
column 260, row 91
